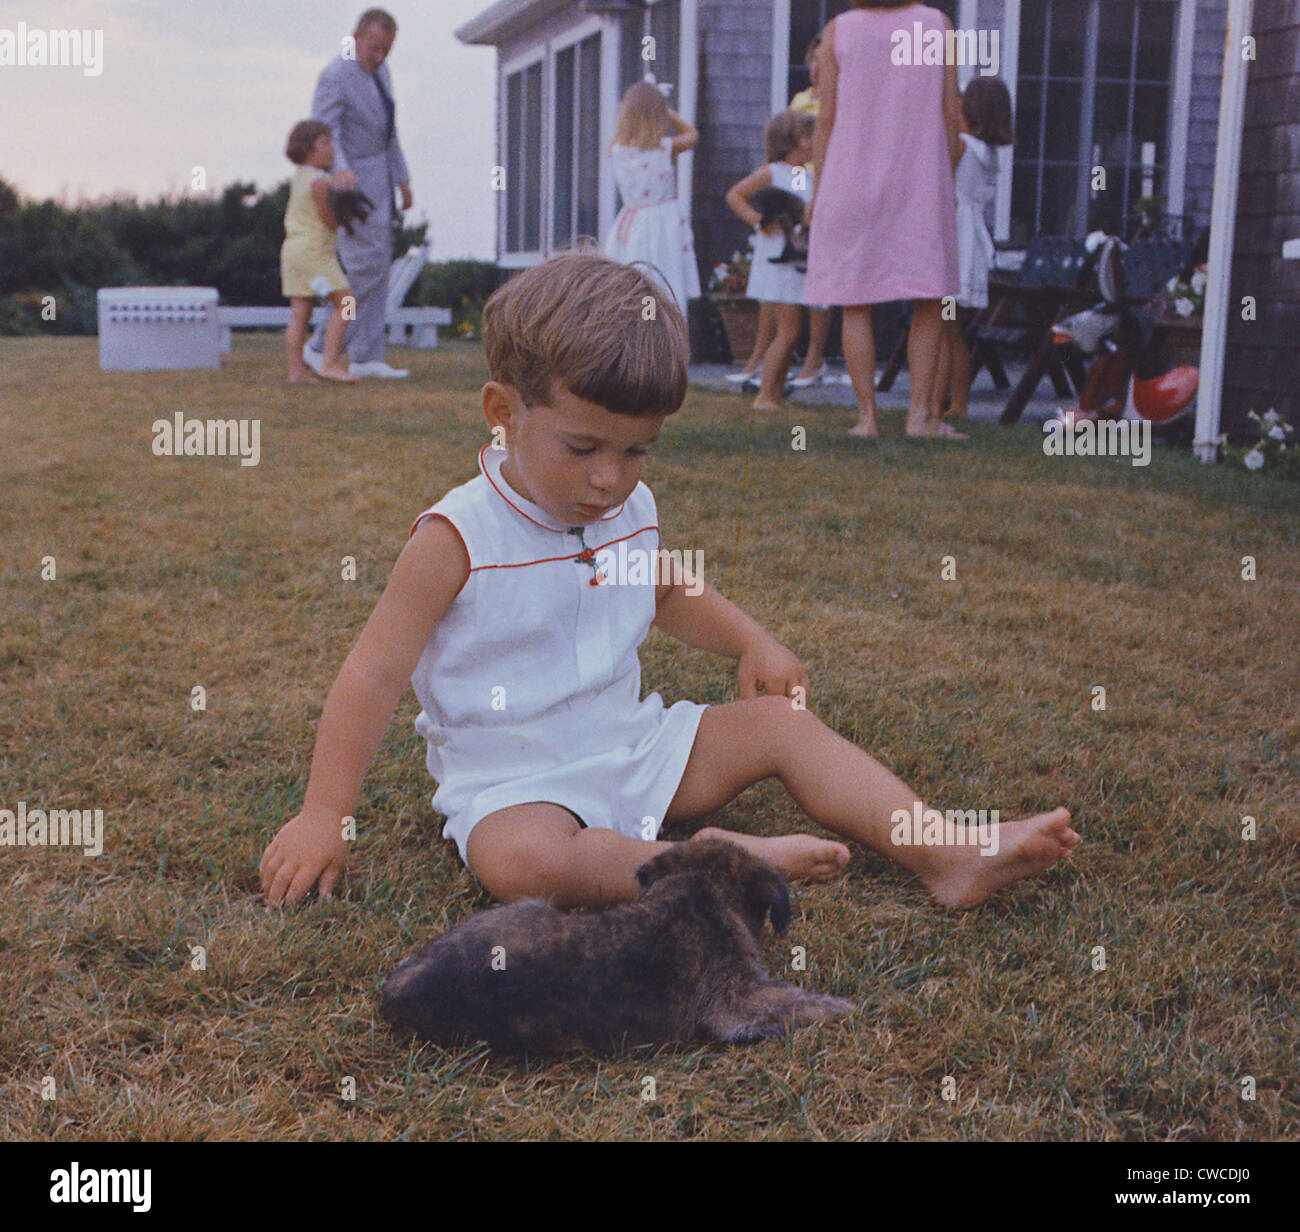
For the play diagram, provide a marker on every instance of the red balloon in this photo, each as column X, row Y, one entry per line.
column 1162, row 397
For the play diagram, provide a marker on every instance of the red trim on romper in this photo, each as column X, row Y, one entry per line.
column 519, row 511
column 545, row 560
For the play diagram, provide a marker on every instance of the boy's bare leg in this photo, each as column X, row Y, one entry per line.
column 539, row 851
column 845, row 789
column 299, row 313
column 331, row 361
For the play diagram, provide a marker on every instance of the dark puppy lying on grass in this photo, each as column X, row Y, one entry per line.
column 681, row 963
column 349, row 205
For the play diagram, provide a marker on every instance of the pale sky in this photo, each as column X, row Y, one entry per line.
column 219, row 83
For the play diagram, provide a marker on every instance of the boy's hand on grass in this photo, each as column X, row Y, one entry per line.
column 309, row 847
column 767, row 667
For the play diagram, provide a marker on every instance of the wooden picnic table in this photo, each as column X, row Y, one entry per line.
column 1043, row 307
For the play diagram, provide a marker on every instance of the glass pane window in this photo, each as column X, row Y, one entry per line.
column 661, row 22
column 588, row 177
column 576, row 205
column 514, row 158
column 1094, row 87
column 808, row 18
column 532, row 171
column 566, row 63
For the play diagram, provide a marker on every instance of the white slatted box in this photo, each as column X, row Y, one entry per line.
column 144, row 328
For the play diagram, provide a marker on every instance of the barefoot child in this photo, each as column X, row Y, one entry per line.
column 516, row 610
column 819, row 317
column 788, row 139
column 308, row 265
column 986, row 124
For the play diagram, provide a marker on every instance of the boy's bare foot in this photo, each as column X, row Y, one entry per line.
column 964, row 877
column 782, row 405
column 337, row 374
column 800, row 857
column 302, row 378
column 866, row 428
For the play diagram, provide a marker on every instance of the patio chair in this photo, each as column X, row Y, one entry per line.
column 1151, row 262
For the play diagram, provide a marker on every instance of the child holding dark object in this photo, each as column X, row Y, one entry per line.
column 308, row 264
column 788, row 139
column 819, row 316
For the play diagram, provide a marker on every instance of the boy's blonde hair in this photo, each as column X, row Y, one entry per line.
column 642, row 119
column 784, row 131
column 585, row 322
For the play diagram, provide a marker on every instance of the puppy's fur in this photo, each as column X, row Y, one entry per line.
column 777, row 205
column 349, row 205
column 680, row 963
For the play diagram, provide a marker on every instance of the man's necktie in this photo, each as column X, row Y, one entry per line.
column 389, row 106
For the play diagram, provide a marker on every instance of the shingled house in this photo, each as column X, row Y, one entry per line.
column 1131, row 85
column 1261, row 368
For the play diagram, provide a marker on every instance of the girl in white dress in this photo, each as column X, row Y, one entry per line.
column 652, row 227
column 788, row 139
column 986, row 119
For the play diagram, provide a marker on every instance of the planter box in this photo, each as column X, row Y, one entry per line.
column 740, row 320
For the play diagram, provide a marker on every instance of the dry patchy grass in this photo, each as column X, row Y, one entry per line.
column 1070, row 573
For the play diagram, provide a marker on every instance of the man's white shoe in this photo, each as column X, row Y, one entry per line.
column 378, row 368
column 313, row 359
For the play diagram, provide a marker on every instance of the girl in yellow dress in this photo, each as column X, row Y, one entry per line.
column 308, row 264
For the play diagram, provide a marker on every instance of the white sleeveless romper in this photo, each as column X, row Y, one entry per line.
column 530, row 687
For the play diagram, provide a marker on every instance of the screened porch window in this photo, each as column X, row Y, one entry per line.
column 523, row 204
column 577, row 142
column 1093, row 90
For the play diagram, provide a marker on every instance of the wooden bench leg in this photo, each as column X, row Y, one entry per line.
column 1056, row 370
column 993, row 361
column 1024, row 390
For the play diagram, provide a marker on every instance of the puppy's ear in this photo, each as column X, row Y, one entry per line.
column 767, row 892
column 665, row 864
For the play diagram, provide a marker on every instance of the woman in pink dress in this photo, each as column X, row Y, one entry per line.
column 884, row 216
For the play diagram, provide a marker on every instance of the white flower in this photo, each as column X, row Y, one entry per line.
column 1198, row 283
column 1184, row 307
column 1271, row 416
column 1276, row 433
column 1172, row 285
column 1253, row 460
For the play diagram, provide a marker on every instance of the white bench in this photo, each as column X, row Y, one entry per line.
column 421, row 324
column 417, row 327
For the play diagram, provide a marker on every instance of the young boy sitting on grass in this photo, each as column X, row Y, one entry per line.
column 516, row 610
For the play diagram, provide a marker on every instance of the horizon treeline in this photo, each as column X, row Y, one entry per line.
column 230, row 241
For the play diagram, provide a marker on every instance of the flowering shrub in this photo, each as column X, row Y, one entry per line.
column 1183, row 300
column 1270, row 450
column 731, row 277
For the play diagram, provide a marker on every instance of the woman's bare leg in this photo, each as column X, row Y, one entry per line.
column 860, row 359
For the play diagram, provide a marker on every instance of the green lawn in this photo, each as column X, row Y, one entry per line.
column 1070, row 573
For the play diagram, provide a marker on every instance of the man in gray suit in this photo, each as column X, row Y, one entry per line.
column 354, row 96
